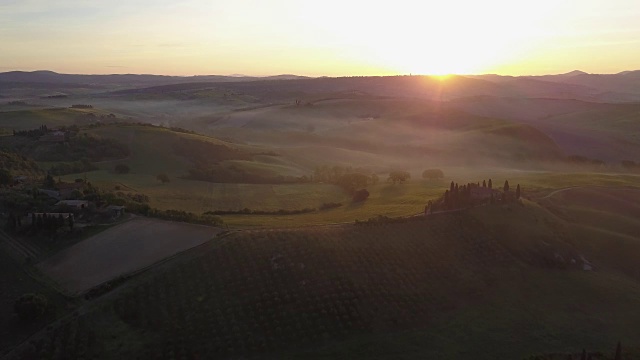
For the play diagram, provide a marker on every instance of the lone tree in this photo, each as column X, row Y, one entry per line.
column 163, row 178
column 121, row 169
column 518, row 191
column 432, row 174
column 353, row 181
column 48, row 182
column 5, row 177
column 506, row 185
column 399, row 176
column 31, row 306
column 360, row 195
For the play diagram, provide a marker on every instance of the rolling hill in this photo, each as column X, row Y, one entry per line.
column 466, row 286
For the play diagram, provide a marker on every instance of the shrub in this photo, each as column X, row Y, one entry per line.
column 31, row 306
column 398, row 176
column 331, row 205
column 5, row 177
column 360, row 195
column 163, row 178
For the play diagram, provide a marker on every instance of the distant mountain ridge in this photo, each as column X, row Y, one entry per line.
column 46, row 76
column 622, row 87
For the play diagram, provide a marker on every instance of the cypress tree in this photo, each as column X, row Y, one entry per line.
column 506, row 185
column 618, row 352
column 446, row 199
column 518, row 191
column 490, row 184
column 11, row 222
column 484, row 183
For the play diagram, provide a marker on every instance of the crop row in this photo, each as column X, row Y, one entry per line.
column 269, row 291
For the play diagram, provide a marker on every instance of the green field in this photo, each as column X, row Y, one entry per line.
column 147, row 160
column 385, row 199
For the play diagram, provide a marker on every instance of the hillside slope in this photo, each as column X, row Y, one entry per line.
column 498, row 282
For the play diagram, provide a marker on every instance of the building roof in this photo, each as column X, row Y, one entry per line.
column 52, row 193
column 65, row 215
column 72, row 186
column 73, row 202
column 483, row 191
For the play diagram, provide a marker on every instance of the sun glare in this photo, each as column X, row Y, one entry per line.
column 454, row 37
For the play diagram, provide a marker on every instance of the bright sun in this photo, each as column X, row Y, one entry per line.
column 446, row 37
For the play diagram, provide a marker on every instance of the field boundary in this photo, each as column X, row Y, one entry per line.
column 126, row 277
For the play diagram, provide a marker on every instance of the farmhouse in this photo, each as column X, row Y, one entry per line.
column 51, row 193
column 32, row 218
column 116, row 211
column 483, row 193
column 78, row 204
column 55, row 137
column 56, row 215
column 20, row 179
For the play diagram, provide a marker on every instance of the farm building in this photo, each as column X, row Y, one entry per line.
column 21, row 179
column 116, row 211
column 78, row 204
column 55, row 136
column 483, row 193
column 29, row 218
column 51, row 193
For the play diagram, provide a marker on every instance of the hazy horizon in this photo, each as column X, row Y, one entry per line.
column 317, row 76
column 336, row 39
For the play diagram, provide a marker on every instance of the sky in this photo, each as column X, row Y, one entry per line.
column 320, row 38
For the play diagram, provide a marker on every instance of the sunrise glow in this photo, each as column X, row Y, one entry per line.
column 333, row 38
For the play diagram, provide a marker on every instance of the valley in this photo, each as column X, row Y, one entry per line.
column 287, row 217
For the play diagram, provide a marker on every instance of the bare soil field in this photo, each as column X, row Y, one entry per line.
column 121, row 250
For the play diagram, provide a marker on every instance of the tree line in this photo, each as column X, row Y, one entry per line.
column 473, row 194
column 33, row 133
column 353, row 180
column 47, row 222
